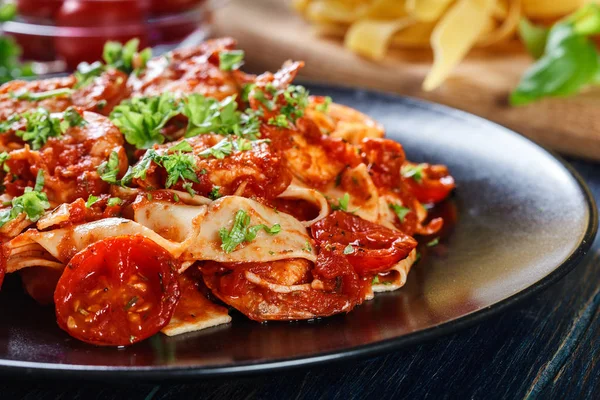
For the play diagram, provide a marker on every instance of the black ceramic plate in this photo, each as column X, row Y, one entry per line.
column 524, row 220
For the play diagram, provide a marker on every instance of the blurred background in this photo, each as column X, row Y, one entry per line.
column 531, row 65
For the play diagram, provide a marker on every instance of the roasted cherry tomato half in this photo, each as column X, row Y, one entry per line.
column 117, row 291
column 109, row 19
column 430, row 184
column 369, row 247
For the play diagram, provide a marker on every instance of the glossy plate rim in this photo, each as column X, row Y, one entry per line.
column 28, row 369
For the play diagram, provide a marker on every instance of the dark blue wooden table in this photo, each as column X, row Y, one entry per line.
column 545, row 347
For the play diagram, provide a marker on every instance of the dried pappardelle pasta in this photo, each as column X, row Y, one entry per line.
column 205, row 180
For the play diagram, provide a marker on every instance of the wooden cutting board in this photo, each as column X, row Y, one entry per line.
column 270, row 33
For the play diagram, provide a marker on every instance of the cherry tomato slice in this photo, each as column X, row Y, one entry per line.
column 117, row 291
column 435, row 184
column 373, row 248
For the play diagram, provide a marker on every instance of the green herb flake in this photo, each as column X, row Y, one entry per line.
column 342, row 203
column 109, row 170
column 231, row 59
column 114, row 201
column 91, row 201
column 40, row 126
column 37, row 96
column 214, row 193
column 280, row 121
column 434, row 242
column 413, row 171
column 32, row 202
column 324, row 106
column 74, row 118
column 241, row 231
column 400, row 211
column 349, row 249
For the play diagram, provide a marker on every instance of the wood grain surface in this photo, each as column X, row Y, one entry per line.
column 271, row 33
column 545, row 348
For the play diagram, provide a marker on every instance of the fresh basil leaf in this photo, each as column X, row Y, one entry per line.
column 534, row 37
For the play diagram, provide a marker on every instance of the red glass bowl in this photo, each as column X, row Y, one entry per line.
column 59, row 34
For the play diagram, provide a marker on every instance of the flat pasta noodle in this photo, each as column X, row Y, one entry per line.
column 371, row 37
column 455, row 34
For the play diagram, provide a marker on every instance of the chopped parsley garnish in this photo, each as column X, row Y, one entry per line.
column 73, row 117
column 377, row 281
column 40, row 126
column 126, row 57
column 33, row 203
column 434, row 242
column 109, row 170
column 86, row 73
column 37, row 96
column 3, row 157
column 349, row 249
column 295, row 101
column 400, row 211
column 184, row 146
column 342, row 203
column 114, row 201
column 231, row 59
column 413, row 171
column 175, row 197
column 141, row 119
column 208, row 115
column 214, row 193
column 178, row 165
column 307, row 247
column 241, row 232
column 279, row 121
column 324, row 106
column 91, row 200
column 226, row 147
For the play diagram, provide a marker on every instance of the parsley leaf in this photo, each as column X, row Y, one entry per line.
column 280, row 121
column 400, row 211
column 109, row 170
column 230, row 60
column 241, row 232
column 141, row 119
column 86, row 73
column 37, row 96
column 40, row 126
column 413, row 171
column 91, row 200
column 179, row 166
column 74, row 118
column 3, row 157
column 114, row 201
column 324, row 106
column 434, row 242
column 349, row 249
column 214, row 193
column 126, row 57
column 208, row 115
column 39, row 181
column 33, row 203
column 342, row 203
column 183, row 146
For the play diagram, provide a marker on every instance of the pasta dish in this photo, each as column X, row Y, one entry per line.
column 144, row 195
